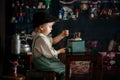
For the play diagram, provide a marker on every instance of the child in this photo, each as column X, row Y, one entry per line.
column 45, row 57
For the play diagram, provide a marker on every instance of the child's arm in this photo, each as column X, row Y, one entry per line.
column 60, row 36
column 62, row 50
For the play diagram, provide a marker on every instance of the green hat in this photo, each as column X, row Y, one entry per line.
column 42, row 17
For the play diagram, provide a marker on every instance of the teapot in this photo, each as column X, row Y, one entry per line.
column 25, row 47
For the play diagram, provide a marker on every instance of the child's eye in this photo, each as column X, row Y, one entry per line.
column 50, row 26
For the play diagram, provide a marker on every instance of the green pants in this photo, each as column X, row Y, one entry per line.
column 50, row 64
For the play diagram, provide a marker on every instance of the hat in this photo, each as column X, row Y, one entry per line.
column 42, row 17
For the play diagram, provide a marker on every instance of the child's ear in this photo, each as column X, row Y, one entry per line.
column 40, row 28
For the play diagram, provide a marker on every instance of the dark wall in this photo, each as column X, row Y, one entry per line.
column 99, row 29
column 2, row 34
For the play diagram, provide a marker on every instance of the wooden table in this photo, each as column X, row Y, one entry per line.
column 95, row 58
column 11, row 77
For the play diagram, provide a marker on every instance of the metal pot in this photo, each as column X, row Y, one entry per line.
column 25, row 48
column 15, row 44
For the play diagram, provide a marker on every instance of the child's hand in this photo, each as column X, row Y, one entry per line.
column 65, row 33
column 62, row 50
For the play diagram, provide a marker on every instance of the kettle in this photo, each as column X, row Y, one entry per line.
column 25, row 47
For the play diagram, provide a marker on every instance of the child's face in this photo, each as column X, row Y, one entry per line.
column 47, row 28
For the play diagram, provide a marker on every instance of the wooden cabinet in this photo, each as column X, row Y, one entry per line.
column 95, row 65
